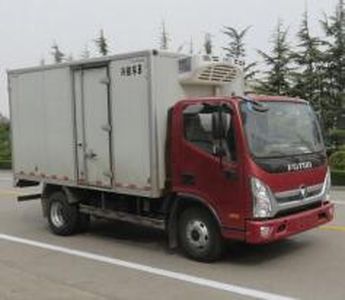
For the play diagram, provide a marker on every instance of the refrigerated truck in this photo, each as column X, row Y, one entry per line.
column 168, row 141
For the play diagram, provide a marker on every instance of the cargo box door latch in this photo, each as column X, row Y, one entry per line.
column 90, row 155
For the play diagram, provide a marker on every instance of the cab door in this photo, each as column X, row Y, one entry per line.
column 208, row 164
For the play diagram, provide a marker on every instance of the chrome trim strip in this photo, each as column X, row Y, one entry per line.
column 297, row 192
column 278, row 207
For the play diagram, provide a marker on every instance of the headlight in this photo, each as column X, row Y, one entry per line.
column 262, row 206
column 327, row 186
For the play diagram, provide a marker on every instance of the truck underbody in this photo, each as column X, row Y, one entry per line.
column 163, row 214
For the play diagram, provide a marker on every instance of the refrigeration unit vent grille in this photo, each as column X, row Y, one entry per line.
column 218, row 74
column 207, row 70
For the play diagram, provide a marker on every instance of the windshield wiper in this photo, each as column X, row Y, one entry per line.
column 256, row 105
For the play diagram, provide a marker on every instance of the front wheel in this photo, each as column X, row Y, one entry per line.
column 199, row 235
column 64, row 218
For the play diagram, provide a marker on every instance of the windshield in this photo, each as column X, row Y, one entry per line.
column 286, row 128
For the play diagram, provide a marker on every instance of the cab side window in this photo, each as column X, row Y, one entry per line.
column 199, row 130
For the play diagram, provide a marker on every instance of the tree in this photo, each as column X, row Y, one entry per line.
column 164, row 38
column 278, row 63
column 236, row 50
column 250, row 71
column 308, row 80
column 236, row 46
column 102, row 44
column 70, row 58
column 57, row 54
column 208, row 45
column 86, row 52
column 334, row 58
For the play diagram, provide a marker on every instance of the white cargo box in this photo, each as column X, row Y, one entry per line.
column 101, row 123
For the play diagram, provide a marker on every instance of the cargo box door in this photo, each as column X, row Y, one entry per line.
column 93, row 126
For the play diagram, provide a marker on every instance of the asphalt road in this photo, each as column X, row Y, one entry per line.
column 118, row 261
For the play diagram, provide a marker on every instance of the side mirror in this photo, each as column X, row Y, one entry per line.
column 220, row 124
column 219, row 151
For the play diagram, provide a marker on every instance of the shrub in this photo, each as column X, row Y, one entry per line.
column 5, row 147
column 5, row 164
column 341, row 148
column 338, row 136
column 338, row 177
column 337, row 160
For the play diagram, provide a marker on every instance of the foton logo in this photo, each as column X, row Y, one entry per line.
column 300, row 166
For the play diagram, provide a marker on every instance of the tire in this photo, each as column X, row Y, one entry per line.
column 199, row 235
column 64, row 219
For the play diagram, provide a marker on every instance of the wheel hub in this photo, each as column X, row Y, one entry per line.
column 57, row 215
column 197, row 234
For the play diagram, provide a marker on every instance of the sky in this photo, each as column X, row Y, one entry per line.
column 28, row 28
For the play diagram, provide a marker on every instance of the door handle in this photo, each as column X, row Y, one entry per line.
column 188, row 179
column 231, row 174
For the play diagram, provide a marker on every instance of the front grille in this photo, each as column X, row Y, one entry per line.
column 296, row 195
column 298, row 209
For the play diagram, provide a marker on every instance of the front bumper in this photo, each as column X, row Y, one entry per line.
column 260, row 232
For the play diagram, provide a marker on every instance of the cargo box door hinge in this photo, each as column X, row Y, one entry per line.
column 105, row 80
column 106, row 127
column 108, row 174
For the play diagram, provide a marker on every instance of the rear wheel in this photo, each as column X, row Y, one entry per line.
column 63, row 217
column 199, row 235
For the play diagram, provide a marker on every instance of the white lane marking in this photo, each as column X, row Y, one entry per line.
column 338, row 202
column 152, row 270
